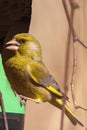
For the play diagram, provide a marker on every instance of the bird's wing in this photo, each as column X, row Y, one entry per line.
column 40, row 75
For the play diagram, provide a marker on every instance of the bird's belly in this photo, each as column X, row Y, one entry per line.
column 39, row 94
column 24, row 87
column 21, row 83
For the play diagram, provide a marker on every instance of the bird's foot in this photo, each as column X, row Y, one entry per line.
column 23, row 99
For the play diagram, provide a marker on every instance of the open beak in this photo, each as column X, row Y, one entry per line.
column 12, row 45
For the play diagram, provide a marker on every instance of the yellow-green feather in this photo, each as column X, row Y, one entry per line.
column 59, row 104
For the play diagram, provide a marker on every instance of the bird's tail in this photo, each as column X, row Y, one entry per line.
column 59, row 104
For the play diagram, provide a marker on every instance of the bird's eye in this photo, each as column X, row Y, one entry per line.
column 22, row 40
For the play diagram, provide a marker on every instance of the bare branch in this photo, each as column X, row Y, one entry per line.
column 3, row 112
column 66, row 68
column 73, row 79
column 74, row 4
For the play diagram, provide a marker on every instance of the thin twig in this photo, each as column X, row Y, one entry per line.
column 73, row 78
column 66, row 76
column 74, row 4
column 3, row 112
column 74, row 70
column 75, row 37
column 66, row 72
column 74, row 66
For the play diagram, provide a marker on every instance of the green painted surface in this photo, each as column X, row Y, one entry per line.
column 11, row 102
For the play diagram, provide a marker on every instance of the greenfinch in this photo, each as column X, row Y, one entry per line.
column 28, row 76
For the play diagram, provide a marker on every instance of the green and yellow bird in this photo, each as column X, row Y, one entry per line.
column 27, row 74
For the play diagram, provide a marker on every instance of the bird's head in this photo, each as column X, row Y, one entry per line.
column 24, row 45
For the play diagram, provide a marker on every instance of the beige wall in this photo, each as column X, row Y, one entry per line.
column 49, row 26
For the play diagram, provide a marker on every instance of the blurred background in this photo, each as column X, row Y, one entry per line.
column 49, row 25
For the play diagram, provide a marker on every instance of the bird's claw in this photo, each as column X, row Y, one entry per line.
column 23, row 99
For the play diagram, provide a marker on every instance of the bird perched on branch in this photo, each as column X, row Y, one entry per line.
column 28, row 76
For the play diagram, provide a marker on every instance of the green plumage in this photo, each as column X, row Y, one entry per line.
column 27, row 74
